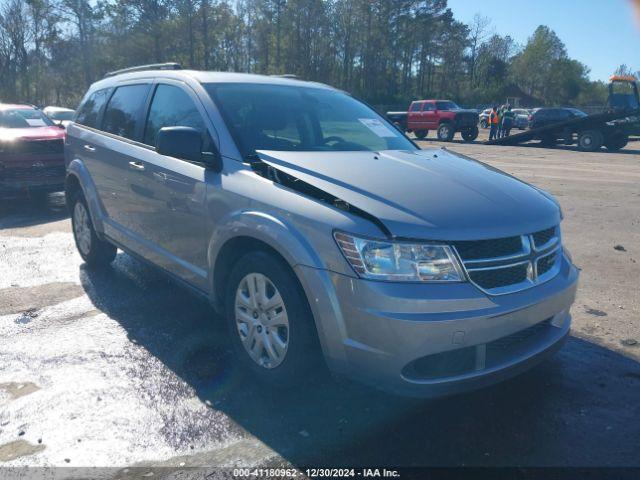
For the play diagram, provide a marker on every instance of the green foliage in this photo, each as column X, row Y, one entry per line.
column 384, row 51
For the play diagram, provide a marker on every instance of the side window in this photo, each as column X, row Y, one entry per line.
column 173, row 107
column 121, row 115
column 415, row 107
column 89, row 111
column 429, row 107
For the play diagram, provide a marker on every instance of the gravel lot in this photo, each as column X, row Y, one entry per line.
column 124, row 368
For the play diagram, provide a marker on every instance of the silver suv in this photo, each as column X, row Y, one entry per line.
column 317, row 230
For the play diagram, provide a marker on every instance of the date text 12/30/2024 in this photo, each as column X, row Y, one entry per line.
column 287, row 473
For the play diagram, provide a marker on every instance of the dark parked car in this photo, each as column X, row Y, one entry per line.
column 546, row 116
column 31, row 152
column 521, row 118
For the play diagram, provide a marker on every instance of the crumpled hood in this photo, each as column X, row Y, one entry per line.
column 426, row 194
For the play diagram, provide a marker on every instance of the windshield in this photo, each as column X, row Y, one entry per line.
column 291, row 118
column 62, row 115
column 447, row 106
column 23, row 118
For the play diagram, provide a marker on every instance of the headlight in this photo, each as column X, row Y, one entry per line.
column 400, row 261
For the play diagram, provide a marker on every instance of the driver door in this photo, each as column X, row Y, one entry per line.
column 174, row 216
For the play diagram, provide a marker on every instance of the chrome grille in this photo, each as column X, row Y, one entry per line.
column 498, row 247
column 511, row 264
column 499, row 277
column 541, row 238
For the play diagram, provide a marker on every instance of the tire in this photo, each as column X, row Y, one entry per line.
column 470, row 134
column 446, row 132
column 590, row 140
column 483, row 123
column 96, row 253
column 616, row 143
column 421, row 134
column 286, row 366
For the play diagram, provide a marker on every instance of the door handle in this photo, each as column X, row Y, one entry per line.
column 90, row 148
column 136, row 166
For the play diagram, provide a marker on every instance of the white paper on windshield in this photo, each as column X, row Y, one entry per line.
column 377, row 127
column 36, row 122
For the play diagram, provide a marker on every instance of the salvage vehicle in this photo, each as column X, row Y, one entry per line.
column 31, row 153
column 319, row 231
column 444, row 116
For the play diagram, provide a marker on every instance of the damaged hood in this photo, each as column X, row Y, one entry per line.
column 425, row 194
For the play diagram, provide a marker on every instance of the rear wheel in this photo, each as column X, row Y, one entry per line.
column 445, row 132
column 616, row 143
column 269, row 320
column 421, row 134
column 470, row 134
column 590, row 140
column 95, row 252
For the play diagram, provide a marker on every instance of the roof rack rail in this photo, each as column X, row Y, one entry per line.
column 151, row 66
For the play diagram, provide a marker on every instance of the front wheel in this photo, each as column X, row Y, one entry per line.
column 269, row 321
column 617, row 143
column 590, row 140
column 470, row 134
column 95, row 252
column 445, row 132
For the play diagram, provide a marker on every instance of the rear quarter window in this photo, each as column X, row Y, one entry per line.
column 122, row 115
column 89, row 111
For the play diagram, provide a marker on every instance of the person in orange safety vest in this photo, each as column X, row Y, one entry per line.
column 493, row 123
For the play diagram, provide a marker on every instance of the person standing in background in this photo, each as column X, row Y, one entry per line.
column 507, row 122
column 501, row 110
column 493, row 123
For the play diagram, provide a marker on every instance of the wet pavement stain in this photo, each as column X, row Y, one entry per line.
column 16, row 390
column 30, row 299
column 19, row 448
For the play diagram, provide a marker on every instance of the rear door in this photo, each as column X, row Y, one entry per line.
column 116, row 159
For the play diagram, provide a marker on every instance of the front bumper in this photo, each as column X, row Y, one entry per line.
column 436, row 339
column 21, row 176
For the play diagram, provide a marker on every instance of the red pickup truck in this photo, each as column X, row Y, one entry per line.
column 31, row 152
column 444, row 116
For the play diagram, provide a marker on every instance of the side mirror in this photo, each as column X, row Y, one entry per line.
column 184, row 143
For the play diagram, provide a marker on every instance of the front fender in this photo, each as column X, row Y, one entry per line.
column 78, row 169
column 280, row 235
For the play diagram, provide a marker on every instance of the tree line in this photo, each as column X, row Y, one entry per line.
column 387, row 52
